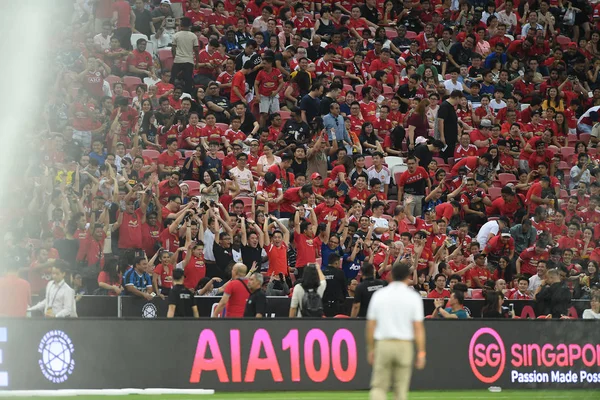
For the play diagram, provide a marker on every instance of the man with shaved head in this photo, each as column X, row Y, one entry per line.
column 235, row 295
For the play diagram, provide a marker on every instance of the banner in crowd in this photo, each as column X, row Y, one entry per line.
column 300, row 354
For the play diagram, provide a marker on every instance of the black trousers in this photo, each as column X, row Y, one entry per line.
column 475, row 222
column 124, row 36
column 183, row 72
column 331, row 308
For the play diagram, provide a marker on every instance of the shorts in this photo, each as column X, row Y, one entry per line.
column 268, row 104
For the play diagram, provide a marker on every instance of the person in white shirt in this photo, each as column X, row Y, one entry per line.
column 312, row 280
column 536, row 280
column 102, row 40
column 491, row 229
column 594, row 311
column 60, row 298
column 243, row 175
column 453, row 83
column 381, row 224
column 394, row 327
column 508, row 17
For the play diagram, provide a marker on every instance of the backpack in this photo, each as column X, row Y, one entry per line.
column 312, row 305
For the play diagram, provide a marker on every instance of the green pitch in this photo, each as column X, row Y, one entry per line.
column 445, row 395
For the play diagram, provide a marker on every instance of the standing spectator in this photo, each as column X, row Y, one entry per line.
column 60, row 298
column 414, row 181
column 256, row 307
column 530, row 257
column 15, row 293
column 306, row 300
column 393, row 334
column 524, row 235
column 185, row 50
column 267, row 85
column 143, row 19
column 181, row 299
column 235, row 295
column 553, row 296
column 446, row 128
column 337, row 290
column 365, row 290
column 124, row 18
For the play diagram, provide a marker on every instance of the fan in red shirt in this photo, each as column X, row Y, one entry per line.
column 570, row 241
column 330, row 207
column 440, row 291
column 292, row 197
column 425, row 262
column 301, row 23
column 521, row 292
column 162, row 276
column 324, row 65
column 527, row 261
column 477, row 276
column 130, row 222
column 384, row 63
column 194, row 266
column 139, row 62
column 558, row 228
column 471, row 163
column 359, row 191
column 276, row 247
column 502, row 245
column 465, row 148
column 446, row 211
column 507, row 204
column 542, row 155
column 235, row 295
column 91, row 249
column 169, row 187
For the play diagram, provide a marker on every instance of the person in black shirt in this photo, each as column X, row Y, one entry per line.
column 446, row 124
column 299, row 164
column 256, row 307
column 369, row 12
column 295, row 130
column 424, row 151
column 315, row 51
column 252, row 242
column 217, row 104
column 364, row 291
column 460, row 53
column 181, row 299
column 310, row 104
column 408, row 91
column 337, row 289
column 222, row 249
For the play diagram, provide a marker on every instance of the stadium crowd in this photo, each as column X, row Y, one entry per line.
column 261, row 138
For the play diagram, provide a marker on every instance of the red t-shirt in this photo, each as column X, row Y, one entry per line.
column 368, row 111
column 150, row 236
column 15, row 296
column 469, row 162
column 130, row 231
column 305, row 248
column 291, row 196
column 268, row 82
column 139, row 60
column 323, row 67
column 165, row 276
column 530, row 259
column 482, row 273
column 123, row 10
column 162, row 88
column 356, row 194
column 194, row 271
column 434, row 294
column 165, row 190
column 238, row 81
column 168, row 160
column 238, row 296
column 322, row 211
column 277, row 259
column 169, row 241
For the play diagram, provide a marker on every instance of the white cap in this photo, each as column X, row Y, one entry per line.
column 165, row 2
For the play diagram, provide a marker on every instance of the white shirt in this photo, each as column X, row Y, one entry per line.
column 209, row 240
column 60, row 298
column 103, row 42
column 450, row 86
column 299, row 295
column 590, row 314
column 534, row 283
column 395, row 308
column 494, row 105
column 383, row 175
column 380, row 223
column 484, row 232
column 243, row 178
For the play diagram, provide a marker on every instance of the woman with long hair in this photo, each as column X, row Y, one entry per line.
column 109, row 279
column 274, row 44
column 324, row 25
column 561, row 128
column 211, row 187
column 418, row 124
column 268, row 158
column 464, row 112
column 492, row 307
column 313, row 280
column 149, row 132
column 554, row 100
column 369, row 140
column 389, row 15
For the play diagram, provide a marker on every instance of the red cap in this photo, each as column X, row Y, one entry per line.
column 315, row 175
column 572, row 44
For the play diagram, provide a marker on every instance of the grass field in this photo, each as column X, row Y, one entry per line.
column 438, row 395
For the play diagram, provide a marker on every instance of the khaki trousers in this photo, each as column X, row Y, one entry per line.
column 392, row 368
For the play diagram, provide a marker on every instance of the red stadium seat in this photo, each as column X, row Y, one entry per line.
column 563, row 41
column 392, row 206
column 563, row 194
column 222, row 126
column 411, row 35
column 285, row 115
column 585, row 137
column 368, row 161
column 166, row 59
column 112, row 79
column 476, row 294
column 567, row 152
column 494, row 192
column 153, row 154
column 131, row 83
column 194, row 187
column 505, row 178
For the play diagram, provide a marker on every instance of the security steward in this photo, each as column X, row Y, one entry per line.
column 365, row 290
column 181, row 299
column 337, row 290
column 256, row 306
